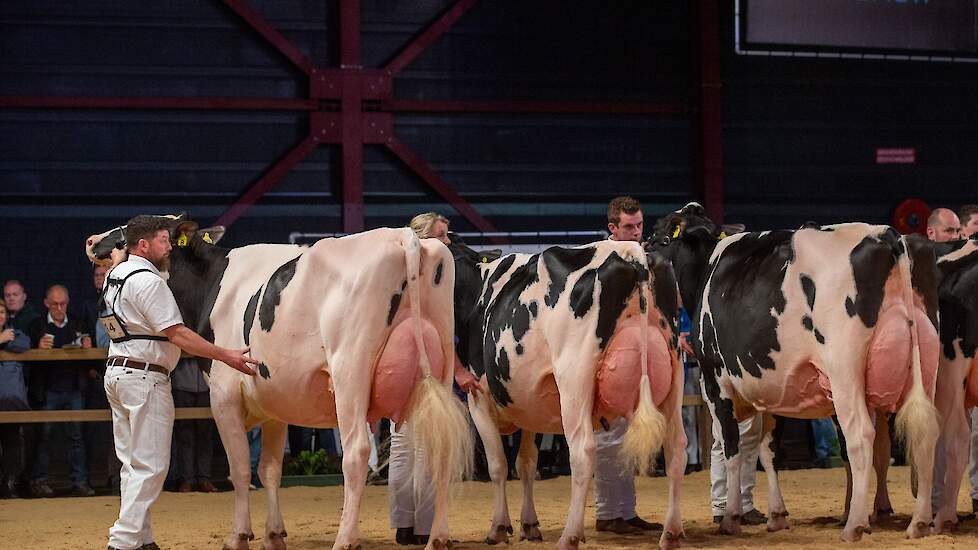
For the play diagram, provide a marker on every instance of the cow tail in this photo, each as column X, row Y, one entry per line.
column 646, row 428
column 438, row 420
column 916, row 421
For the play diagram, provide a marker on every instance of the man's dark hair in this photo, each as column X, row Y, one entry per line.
column 966, row 211
column 145, row 227
column 618, row 205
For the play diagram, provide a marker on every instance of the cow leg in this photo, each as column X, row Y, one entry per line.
column 575, row 382
column 351, row 416
column 273, row 435
column 881, row 464
column 954, row 435
column 526, row 466
column 721, row 409
column 777, row 513
column 479, row 408
column 228, row 408
column 674, row 448
column 853, row 415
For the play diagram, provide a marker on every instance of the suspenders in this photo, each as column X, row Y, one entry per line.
column 113, row 323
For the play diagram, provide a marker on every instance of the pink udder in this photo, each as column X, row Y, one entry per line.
column 398, row 370
column 620, row 372
column 889, row 375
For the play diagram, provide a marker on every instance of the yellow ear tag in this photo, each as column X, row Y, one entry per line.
column 207, row 238
column 723, row 235
column 485, row 260
column 182, row 241
column 675, row 234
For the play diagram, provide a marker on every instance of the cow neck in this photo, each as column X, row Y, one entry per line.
column 195, row 279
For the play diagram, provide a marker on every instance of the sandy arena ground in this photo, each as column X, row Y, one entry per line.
column 192, row 521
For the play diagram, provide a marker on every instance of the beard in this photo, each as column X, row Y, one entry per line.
column 162, row 263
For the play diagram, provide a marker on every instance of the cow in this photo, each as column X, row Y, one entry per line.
column 808, row 323
column 347, row 331
column 563, row 342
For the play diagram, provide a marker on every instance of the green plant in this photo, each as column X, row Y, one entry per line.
column 313, row 463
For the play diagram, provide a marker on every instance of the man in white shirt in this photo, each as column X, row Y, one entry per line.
column 147, row 335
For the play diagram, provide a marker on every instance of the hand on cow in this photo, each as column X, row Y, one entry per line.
column 684, row 343
column 467, row 381
column 239, row 360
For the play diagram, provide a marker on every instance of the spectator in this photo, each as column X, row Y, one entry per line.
column 20, row 314
column 64, row 385
column 13, row 397
column 968, row 218
column 193, row 439
column 943, row 225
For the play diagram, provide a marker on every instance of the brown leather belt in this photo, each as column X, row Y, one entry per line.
column 126, row 362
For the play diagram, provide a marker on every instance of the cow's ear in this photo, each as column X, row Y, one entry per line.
column 733, row 228
column 211, row 234
column 183, row 232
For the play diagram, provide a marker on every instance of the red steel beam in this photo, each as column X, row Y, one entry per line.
column 210, row 103
column 710, row 123
column 526, row 106
column 351, row 116
column 438, row 27
column 441, row 187
column 271, row 34
column 268, row 180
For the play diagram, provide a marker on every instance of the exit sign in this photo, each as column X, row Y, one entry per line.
column 905, row 155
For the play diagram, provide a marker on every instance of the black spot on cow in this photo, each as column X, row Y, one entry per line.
column 438, row 272
column 582, row 296
column 533, row 309
column 395, row 302
column 249, row 317
column 618, row 278
column 560, row 263
column 808, row 286
column 263, row 371
column 504, row 312
column 196, row 272
column 519, row 349
column 724, row 412
column 806, row 322
column 745, row 287
column 850, row 307
column 958, row 301
column 664, row 287
column 891, row 237
column 496, row 274
column 818, row 336
column 924, row 273
column 273, row 293
column 871, row 260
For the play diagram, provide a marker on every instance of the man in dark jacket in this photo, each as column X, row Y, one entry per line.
column 13, row 397
column 63, row 384
column 20, row 313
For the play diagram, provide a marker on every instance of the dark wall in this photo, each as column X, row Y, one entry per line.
column 800, row 136
column 67, row 173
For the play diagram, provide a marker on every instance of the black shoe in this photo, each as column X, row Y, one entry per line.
column 617, row 526
column 643, row 525
column 717, row 519
column 421, row 540
column 405, row 536
column 82, row 490
column 690, row 468
column 40, row 489
column 753, row 518
column 8, row 488
column 150, row 546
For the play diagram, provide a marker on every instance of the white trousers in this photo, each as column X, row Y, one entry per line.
column 614, row 486
column 409, row 487
column 691, row 386
column 750, row 439
column 973, row 464
column 142, row 422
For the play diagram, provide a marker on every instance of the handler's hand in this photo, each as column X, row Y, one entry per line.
column 239, row 360
column 467, row 381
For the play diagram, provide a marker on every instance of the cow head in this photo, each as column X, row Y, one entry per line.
column 108, row 248
column 687, row 238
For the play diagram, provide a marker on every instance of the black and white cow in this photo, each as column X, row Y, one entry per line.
column 806, row 323
column 347, row 330
column 562, row 341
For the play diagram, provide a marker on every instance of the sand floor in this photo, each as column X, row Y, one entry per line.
column 195, row 520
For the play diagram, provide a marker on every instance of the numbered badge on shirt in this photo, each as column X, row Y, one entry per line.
column 113, row 327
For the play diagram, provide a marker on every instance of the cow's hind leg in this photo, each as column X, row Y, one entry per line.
column 575, row 382
column 881, row 465
column 351, row 416
column 721, row 407
column 273, row 435
column 526, row 466
column 674, row 448
column 777, row 513
column 853, row 415
column 226, row 403
column 479, row 408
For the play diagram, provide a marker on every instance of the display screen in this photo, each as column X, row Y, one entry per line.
column 910, row 26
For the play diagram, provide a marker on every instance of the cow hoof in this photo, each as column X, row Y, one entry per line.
column 730, row 525
column 238, row 541
column 439, row 544
column 777, row 521
column 500, row 534
column 855, row 534
column 919, row 529
column 569, row 543
column 670, row 540
column 531, row 531
column 274, row 541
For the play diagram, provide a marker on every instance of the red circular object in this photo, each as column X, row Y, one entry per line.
column 911, row 216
